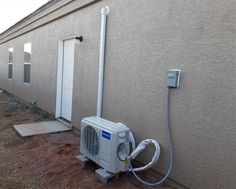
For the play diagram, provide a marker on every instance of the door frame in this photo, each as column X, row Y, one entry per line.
column 60, row 57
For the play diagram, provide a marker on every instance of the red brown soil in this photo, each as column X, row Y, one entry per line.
column 45, row 161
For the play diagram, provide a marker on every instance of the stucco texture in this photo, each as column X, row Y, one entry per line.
column 144, row 39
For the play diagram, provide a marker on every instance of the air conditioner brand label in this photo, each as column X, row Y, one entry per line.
column 106, row 135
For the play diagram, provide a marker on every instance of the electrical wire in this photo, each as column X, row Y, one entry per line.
column 168, row 125
column 144, row 144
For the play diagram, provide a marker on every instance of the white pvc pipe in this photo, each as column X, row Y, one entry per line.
column 104, row 12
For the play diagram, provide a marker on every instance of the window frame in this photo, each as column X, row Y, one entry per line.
column 27, row 63
column 10, row 63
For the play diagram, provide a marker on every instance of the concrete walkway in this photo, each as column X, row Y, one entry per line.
column 41, row 128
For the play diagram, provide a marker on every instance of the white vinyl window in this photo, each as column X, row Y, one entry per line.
column 10, row 62
column 27, row 62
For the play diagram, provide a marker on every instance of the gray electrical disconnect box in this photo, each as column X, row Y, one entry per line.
column 173, row 78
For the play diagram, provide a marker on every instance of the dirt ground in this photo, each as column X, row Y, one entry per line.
column 45, row 161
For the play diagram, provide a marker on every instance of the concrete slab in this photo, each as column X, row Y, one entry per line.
column 104, row 176
column 82, row 159
column 41, row 128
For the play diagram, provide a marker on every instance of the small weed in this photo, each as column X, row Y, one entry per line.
column 34, row 109
column 9, row 138
column 8, row 112
column 39, row 114
column 24, row 107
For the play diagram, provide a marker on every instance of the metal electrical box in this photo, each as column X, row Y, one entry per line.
column 173, row 78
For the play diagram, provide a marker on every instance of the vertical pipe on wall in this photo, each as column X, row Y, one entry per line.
column 104, row 13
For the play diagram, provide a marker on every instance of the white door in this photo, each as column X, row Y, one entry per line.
column 67, row 79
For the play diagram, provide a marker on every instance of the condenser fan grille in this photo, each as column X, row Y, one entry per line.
column 91, row 140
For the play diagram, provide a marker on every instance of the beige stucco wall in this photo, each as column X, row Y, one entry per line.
column 145, row 38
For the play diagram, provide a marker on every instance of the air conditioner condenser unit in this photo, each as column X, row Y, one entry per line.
column 106, row 143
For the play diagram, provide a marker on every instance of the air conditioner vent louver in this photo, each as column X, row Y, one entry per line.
column 91, row 140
